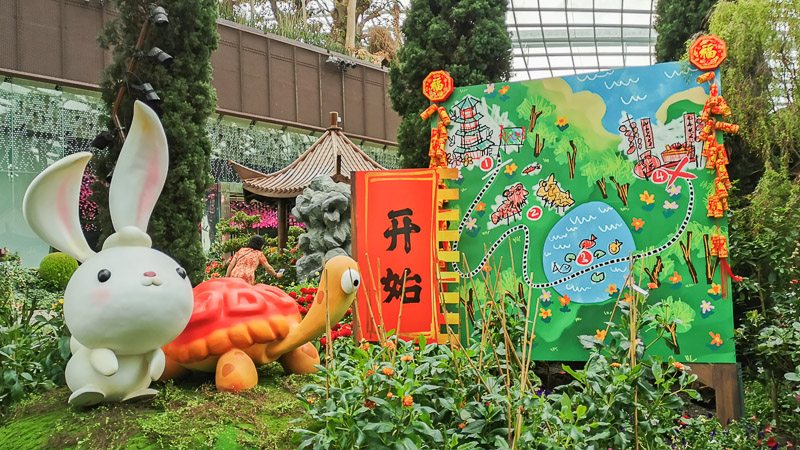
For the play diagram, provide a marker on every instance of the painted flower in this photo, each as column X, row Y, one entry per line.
column 647, row 198
column 545, row 313
column 678, row 365
column 545, row 297
column 673, row 190
column 562, row 120
column 472, row 223
column 564, row 300
column 601, row 335
column 486, row 268
column 637, row 223
column 612, row 288
column 675, row 278
column 511, row 168
column 706, row 306
column 627, row 298
column 489, row 88
column 670, row 205
column 504, row 89
column 480, row 206
column 715, row 339
column 715, row 289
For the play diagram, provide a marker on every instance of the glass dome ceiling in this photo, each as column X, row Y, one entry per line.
column 552, row 38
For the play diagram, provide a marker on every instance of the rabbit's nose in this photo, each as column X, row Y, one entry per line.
column 149, row 274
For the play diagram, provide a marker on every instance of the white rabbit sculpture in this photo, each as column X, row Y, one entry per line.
column 127, row 301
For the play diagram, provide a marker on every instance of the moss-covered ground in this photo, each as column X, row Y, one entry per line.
column 188, row 414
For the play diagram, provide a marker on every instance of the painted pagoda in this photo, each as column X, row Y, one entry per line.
column 472, row 139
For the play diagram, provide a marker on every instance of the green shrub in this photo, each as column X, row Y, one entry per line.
column 58, row 268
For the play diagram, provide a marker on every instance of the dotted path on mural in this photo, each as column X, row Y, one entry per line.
column 526, row 248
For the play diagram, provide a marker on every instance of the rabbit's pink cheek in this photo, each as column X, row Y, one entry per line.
column 101, row 296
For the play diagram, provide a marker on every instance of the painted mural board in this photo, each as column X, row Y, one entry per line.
column 578, row 175
column 395, row 225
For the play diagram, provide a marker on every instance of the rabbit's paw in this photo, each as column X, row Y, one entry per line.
column 141, row 394
column 157, row 362
column 86, row 396
column 104, row 361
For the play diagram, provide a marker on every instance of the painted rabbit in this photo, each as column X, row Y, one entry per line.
column 127, row 301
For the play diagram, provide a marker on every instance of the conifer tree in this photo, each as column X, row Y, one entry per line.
column 187, row 101
column 467, row 38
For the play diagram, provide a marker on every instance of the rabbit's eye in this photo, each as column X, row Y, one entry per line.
column 181, row 272
column 103, row 275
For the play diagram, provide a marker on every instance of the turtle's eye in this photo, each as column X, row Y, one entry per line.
column 103, row 275
column 350, row 281
column 181, row 272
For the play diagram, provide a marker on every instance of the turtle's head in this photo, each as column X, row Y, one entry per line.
column 338, row 285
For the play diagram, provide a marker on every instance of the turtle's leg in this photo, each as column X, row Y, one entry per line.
column 236, row 371
column 300, row 360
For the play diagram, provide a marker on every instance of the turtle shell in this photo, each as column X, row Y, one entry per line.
column 230, row 313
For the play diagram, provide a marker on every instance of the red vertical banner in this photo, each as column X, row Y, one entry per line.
column 394, row 213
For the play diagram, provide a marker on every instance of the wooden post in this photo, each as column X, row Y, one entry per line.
column 283, row 224
column 724, row 379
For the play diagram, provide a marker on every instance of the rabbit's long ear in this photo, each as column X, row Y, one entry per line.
column 140, row 172
column 50, row 205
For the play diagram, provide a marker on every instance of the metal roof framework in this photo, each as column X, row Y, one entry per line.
column 553, row 38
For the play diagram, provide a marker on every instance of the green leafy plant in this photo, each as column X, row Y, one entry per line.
column 34, row 342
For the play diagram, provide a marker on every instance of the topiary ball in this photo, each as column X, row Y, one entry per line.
column 58, row 268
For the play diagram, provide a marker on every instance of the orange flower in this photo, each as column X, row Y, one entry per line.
column 627, row 298
column 364, row 346
column 369, row 372
column 388, row 371
column 480, row 206
column 461, row 426
column 715, row 289
column 675, row 278
column 408, row 401
column 647, row 198
column 545, row 313
column 486, row 268
column 637, row 223
column 616, row 364
column 406, row 358
column 310, row 401
column 369, row 404
column 388, row 395
column 612, row 288
column 652, row 285
column 416, row 349
column 564, row 300
column 678, row 365
column 601, row 335
column 715, row 339
column 389, row 345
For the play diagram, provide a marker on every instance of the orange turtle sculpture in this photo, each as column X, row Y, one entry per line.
column 235, row 327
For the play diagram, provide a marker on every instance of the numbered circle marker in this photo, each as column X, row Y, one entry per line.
column 535, row 213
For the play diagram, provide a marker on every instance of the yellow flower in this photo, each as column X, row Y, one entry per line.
column 562, row 120
column 612, row 288
column 61, row 300
column 511, row 168
column 545, row 313
column 715, row 289
column 647, row 197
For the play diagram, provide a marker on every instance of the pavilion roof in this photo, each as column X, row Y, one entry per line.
column 333, row 154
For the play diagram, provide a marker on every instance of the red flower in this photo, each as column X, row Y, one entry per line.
column 303, row 291
column 336, row 327
column 293, row 294
column 345, row 332
column 323, row 341
column 302, row 309
column 772, row 443
column 348, row 312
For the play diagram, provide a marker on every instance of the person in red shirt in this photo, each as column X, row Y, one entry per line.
column 246, row 261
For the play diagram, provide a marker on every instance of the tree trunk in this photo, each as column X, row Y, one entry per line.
column 350, row 34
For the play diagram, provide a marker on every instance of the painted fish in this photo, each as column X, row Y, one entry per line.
column 614, row 247
column 566, row 268
column 588, row 243
column 532, row 168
